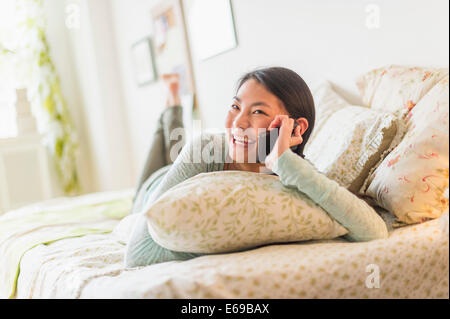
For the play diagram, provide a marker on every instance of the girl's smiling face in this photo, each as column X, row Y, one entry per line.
column 253, row 108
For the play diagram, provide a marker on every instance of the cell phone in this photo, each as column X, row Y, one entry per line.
column 266, row 142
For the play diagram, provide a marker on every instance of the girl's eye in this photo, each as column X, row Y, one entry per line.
column 236, row 107
column 260, row 112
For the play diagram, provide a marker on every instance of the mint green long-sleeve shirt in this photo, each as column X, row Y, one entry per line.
column 353, row 213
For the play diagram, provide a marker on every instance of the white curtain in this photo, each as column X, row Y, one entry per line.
column 23, row 44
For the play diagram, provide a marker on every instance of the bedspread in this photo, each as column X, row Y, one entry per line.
column 412, row 263
column 26, row 228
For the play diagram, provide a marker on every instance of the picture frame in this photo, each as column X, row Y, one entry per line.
column 143, row 62
column 212, row 27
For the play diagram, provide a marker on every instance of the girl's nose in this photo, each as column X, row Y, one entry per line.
column 241, row 122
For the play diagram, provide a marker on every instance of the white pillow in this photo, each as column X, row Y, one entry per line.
column 234, row 210
column 326, row 102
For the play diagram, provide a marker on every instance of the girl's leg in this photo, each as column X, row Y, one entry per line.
column 158, row 160
column 172, row 120
column 159, row 154
column 155, row 158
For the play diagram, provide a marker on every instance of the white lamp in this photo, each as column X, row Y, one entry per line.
column 26, row 123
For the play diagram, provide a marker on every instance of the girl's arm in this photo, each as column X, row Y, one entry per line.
column 358, row 217
column 141, row 249
column 353, row 213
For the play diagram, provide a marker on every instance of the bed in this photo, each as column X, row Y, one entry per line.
column 74, row 247
column 412, row 263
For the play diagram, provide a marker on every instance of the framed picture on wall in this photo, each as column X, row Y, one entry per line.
column 143, row 61
column 212, row 29
column 171, row 46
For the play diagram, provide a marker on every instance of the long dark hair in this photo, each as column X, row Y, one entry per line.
column 292, row 90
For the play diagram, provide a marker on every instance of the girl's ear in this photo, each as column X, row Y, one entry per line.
column 303, row 123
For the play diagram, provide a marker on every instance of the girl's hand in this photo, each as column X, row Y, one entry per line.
column 285, row 139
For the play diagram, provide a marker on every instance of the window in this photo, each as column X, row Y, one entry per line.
column 8, row 126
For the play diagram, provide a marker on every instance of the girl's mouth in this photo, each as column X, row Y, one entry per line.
column 242, row 141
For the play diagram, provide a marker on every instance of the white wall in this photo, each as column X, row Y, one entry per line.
column 319, row 39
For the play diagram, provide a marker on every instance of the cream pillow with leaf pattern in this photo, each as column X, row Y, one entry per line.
column 234, row 210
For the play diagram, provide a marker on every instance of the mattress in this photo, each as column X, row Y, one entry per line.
column 412, row 263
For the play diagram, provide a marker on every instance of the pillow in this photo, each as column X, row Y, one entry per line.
column 234, row 210
column 394, row 87
column 411, row 180
column 326, row 102
column 350, row 140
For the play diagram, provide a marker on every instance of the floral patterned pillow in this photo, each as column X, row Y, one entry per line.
column 444, row 217
column 234, row 210
column 350, row 139
column 396, row 88
column 411, row 180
